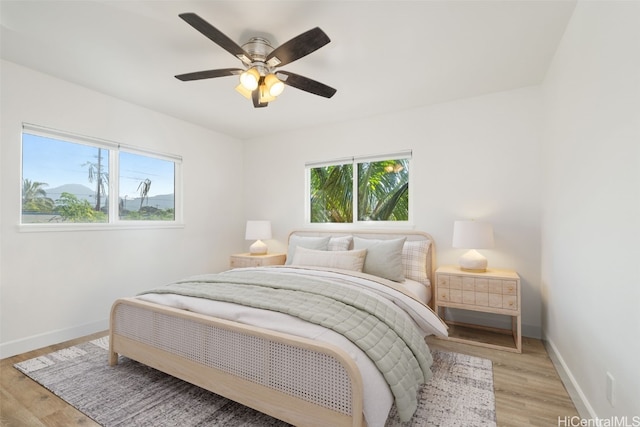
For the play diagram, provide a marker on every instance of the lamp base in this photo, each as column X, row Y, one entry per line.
column 473, row 262
column 258, row 248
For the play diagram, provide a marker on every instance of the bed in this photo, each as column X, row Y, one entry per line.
column 272, row 353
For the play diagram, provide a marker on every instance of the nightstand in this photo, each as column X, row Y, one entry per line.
column 494, row 291
column 248, row 260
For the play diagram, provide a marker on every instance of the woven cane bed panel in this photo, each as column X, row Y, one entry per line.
column 309, row 375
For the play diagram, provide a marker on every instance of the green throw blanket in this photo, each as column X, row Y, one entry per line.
column 388, row 338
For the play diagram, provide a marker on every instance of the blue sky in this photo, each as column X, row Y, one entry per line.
column 57, row 162
column 135, row 168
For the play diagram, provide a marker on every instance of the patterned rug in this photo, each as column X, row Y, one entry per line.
column 131, row 394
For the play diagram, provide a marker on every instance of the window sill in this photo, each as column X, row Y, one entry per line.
column 146, row 225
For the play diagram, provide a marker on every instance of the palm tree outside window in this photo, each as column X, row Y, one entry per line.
column 360, row 189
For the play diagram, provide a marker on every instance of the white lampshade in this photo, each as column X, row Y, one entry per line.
column 249, row 79
column 473, row 235
column 258, row 230
column 265, row 96
column 244, row 91
column 273, row 84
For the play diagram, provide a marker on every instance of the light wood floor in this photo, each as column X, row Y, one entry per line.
column 528, row 389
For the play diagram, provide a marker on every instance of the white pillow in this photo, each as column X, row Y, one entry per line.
column 344, row 260
column 342, row 243
column 384, row 257
column 414, row 260
column 319, row 243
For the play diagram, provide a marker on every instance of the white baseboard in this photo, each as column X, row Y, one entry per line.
column 585, row 410
column 35, row 342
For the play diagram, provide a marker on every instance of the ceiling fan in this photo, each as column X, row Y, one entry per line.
column 260, row 80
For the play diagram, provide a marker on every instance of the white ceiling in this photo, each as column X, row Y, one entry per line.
column 384, row 56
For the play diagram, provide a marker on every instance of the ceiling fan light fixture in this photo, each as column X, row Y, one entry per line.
column 265, row 95
column 244, row 91
column 273, row 84
column 249, row 79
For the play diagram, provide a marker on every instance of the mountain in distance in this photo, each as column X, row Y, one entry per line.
column 82, row 192
column 161, row 201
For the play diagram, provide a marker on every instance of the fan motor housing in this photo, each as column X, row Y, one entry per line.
column 259, row 48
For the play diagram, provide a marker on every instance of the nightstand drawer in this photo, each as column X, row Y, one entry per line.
column 248, row 260
column 242, row 262
column 483, row 292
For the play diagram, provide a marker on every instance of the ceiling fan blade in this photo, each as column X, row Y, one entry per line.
column 209, row 74
column 306, row 84
column 216, row 36
column 298, row 47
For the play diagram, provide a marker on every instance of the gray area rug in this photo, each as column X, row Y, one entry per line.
column 131, row 394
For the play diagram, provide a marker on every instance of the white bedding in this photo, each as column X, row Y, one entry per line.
column 377, row 396
column 423, row 292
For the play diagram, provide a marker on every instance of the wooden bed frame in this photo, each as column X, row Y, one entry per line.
column 265, row 370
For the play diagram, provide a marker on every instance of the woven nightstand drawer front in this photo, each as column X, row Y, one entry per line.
column 477, row 291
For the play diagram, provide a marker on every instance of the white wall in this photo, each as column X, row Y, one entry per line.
column 591, row 225
column 475, row 158
column 59, row 285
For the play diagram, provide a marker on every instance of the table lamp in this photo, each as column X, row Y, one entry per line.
column 258, row 230
column 472, row 235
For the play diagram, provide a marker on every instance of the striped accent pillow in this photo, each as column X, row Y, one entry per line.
column 344, row 260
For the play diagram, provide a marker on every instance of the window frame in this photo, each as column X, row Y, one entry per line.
column 354, row 161
column 114, row 148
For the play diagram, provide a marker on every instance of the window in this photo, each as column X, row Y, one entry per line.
column 362, row 189
column 63, row 181
column 331, row 193
column 146, row 188
column 75, row 179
